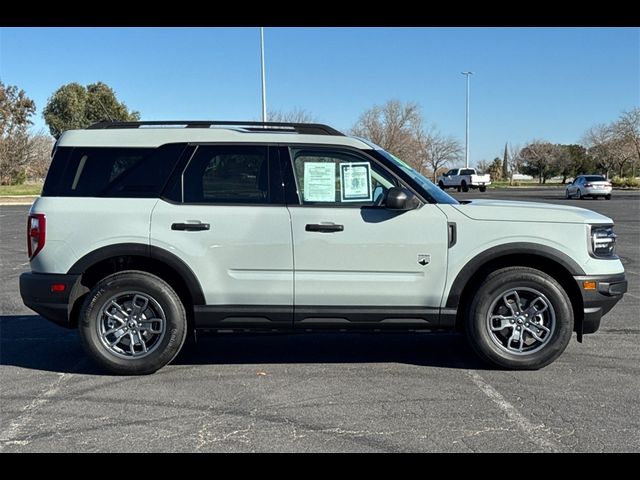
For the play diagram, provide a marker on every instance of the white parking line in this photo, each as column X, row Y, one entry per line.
column 533, row 432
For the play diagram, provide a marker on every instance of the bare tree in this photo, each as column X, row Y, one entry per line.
column 297, row 115
column 39, row 155
column 482, row 166
column 599, row 140
column 438, row 151
column 514, row 161
column 628, row 129
column 398, row 128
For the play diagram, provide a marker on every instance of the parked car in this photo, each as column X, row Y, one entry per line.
column 463, row 179
column 593, row 186
column 145, row 233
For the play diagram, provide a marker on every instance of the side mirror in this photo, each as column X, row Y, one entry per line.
column 401, row 199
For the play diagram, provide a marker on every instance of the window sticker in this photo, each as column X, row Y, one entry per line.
column 356, row 182
column 319, row 182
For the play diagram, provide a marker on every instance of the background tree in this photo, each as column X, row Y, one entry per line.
column 39, row 155
column 16, row 110
column 628, row 130
column 505, row 163
column 482, row 166
column 297, row 115
column 74, row 106
column 514, row 161
column 537, row 159
column 599, row 140
column 398, row 128
column 495, row 169
column 437, row 151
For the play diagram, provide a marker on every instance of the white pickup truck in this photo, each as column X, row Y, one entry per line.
column 464, row 179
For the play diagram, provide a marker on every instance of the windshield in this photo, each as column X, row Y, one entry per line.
column 429, row 189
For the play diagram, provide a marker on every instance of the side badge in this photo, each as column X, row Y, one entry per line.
column 424, row 258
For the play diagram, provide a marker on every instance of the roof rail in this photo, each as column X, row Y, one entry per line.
column 302, row 128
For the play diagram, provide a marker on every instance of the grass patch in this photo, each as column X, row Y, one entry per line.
column 25, row 189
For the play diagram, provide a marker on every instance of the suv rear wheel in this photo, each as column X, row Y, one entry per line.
column 520, row 318
column 132, row 323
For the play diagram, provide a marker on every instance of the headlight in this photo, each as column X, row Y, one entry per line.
column 602, row 241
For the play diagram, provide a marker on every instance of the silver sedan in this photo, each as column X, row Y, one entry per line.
column 589, row 186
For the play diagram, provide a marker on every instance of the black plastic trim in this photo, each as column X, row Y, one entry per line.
column 452, row 230
column 474, row 265
column 597, row 303
column 243, row 316
column 35, row 290
column 370, row 317
column 301, row 318
column 138, row 249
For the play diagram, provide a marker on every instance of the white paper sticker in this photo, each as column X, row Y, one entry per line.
column 319, row 182
column 356, row 182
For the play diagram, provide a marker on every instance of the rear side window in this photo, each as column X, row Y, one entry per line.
column 111, row 172
column 227, row 174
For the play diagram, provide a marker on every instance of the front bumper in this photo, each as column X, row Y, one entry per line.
column 597, row 302
column 35, row 290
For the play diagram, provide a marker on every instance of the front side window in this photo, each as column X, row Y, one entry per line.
column 339, row 177
column 227, row 174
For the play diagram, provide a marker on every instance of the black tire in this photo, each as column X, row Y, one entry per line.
column 167, row 345
column 607, row 197
column 441, row 185
column 482, row 188
column 486, row 344
column 464, row 186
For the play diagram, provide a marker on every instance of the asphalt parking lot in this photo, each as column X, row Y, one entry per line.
column 329, row 393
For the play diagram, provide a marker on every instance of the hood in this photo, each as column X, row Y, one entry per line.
column 528, row 212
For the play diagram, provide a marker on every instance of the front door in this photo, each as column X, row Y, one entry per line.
column 358, row 264
column 225, row 218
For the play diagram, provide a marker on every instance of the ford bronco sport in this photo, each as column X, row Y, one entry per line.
column 144, row 233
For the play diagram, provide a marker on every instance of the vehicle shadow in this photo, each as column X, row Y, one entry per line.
column 28, row 341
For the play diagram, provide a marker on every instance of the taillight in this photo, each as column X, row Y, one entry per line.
column 36, row 233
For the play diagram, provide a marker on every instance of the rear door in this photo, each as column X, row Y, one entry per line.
column 224, row 216
column 358, row 264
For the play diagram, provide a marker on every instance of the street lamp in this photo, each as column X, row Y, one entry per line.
column 466, row 137
column 264, row 92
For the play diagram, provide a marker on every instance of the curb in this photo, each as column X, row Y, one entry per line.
column 17, row 199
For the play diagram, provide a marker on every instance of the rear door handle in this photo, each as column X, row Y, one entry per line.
column 194, row 227
column 324, row 227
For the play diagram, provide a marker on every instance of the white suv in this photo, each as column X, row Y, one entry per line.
column 144, row 233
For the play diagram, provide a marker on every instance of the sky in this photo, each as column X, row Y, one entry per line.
column 528, row 83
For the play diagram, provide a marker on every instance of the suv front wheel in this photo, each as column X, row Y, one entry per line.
column 132, row 322
column 520, row 318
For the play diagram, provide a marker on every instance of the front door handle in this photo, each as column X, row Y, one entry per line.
column 324, row 227
column 195, row 227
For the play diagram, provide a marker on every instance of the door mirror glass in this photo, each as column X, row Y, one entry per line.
column 401, row 199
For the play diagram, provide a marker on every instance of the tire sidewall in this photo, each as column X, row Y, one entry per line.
column 176, row 325
column 480, row 338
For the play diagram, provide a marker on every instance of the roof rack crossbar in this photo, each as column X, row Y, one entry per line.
column 302, row 128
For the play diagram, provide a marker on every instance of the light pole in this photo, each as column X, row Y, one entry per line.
column 264, row 91
column 466, row 137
